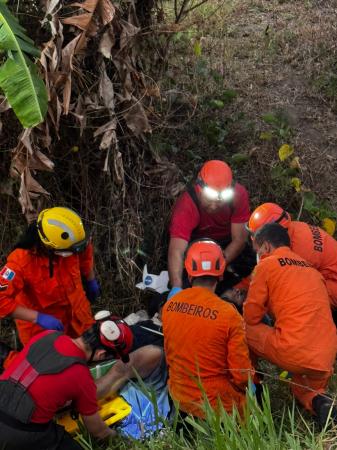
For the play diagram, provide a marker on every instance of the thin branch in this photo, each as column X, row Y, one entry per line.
column 182, row 11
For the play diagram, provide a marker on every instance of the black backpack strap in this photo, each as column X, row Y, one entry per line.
column 191, row 192
column 42, row 359
column 46, row 360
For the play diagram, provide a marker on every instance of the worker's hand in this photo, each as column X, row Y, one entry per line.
column 49, row 322
column 173, row 292
column 92, row 290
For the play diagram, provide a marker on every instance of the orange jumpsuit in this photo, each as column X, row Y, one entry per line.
column 27, row 282
column 206, row 350
column 319, row 249
column 303, row 339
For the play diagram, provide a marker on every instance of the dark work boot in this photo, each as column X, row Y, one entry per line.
column 4, row 352
column 324, row 408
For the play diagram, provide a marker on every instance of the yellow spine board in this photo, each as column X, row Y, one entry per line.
column 111, row 409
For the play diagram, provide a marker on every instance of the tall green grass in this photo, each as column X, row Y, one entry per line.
column 259, row 431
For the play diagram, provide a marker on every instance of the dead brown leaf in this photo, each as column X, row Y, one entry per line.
column 39, row 161
column 29, row 189
column 111, row 125
column 67, row 66
column 81, row 21
column 88, row 5
column 118, row 168
column 106, row 11
column 106, row 91
column 106, row 43
column 135, row 117
column 129, row 31
column 109, row 138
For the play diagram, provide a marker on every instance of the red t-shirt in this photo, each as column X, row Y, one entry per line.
column 187, row 219
column 52, row 392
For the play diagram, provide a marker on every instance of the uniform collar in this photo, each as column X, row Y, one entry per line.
column 280, row 250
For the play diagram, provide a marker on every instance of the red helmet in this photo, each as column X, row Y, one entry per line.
column 114, row 335
column 268, row 213
column 216, row 179
column 205, row 257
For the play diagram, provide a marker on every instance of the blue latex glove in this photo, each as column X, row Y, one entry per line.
column 92, row 290
column 49, row 322
column 173, row 292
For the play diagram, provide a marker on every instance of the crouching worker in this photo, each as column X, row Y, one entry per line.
column 204, row 338
column 303, row 339
column 41, row 284
column 48, row 373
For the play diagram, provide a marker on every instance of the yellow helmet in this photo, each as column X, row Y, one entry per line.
column 61, row 229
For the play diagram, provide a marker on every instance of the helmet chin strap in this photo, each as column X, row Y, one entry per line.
column 93, row 351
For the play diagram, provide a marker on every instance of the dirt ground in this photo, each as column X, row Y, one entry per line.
column 279, row 57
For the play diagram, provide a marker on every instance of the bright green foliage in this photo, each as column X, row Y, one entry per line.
column 278, row 121
column 19, row 80
column 259, row 431
column 316, row 207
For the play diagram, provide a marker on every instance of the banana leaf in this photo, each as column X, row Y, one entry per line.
column 19, row 78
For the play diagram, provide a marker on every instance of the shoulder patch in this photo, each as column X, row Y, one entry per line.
column 7, row 273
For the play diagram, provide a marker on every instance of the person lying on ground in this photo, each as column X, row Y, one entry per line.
column 204, row 338
column 303, row 339
column 213, row 207
column 308, row 241
column 148, row 329
column 41, row 283
column 52, row 371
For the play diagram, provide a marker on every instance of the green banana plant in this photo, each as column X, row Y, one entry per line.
column 19, row 79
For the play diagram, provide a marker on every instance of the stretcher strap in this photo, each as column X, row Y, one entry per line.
column 18, row 372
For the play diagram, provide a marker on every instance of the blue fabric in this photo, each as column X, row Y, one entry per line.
column 146, row 416
column 149, row 406
column 173, row 292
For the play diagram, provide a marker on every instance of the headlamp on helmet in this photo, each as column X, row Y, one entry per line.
column 225, row 195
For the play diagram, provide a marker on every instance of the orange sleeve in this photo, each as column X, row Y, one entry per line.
column 11, row 283
column 255, row 306
column 87, row 260
column 238, row 356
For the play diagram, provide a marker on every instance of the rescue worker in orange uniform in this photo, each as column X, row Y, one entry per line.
column 204, row 338
column 41, row 283
column 309, row 241
column 303, row 339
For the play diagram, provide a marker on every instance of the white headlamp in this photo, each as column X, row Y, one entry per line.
column 224, row 196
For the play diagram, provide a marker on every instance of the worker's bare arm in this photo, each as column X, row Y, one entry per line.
column 143, row 361
column 96, row 426
column 176, row 252
column 238, row 242
column 23, row 313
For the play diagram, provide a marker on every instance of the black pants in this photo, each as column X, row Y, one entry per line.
column 241, row 266
column 50, row 437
